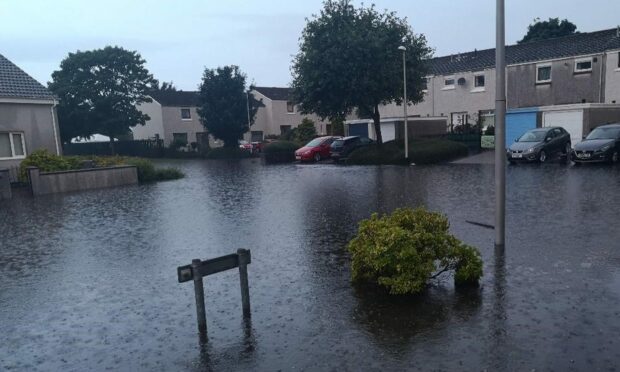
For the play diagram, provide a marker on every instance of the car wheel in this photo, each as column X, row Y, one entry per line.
column 567, row 151
column 614, row 157
column 317, row 157
column 542, row 156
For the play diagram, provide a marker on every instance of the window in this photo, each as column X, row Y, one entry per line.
column 543, row 73
column 186, row 114
column 458, row 119
column 448, row 82
column 284, row 129
column 426, row 82
column 12, row 146
column 479, row 81
column 486, row 119
column 583, row 65
column 290, row 107
column 180, row 138
column 256, row 136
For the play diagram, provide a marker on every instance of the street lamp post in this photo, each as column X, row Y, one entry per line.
column 500, row 127
column 404, row 50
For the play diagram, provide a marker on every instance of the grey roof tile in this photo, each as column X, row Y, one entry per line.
column 175, row 98
column 15, row 83
column 566, row 46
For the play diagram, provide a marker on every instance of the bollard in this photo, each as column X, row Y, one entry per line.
column 200, row 298
column 244, row 259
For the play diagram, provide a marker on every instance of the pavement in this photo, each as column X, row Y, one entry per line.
column 485, row 157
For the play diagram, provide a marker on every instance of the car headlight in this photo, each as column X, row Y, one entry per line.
column 605, row 148
column 530, row 150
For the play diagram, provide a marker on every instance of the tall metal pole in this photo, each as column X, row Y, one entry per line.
column 404, row 50
column 247, row 96
column 500, row 127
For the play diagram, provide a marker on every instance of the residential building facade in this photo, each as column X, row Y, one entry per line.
column 173, row 118
column 279, row 114
column 28, row 119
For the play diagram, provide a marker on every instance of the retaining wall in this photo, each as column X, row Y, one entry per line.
column 82, row 179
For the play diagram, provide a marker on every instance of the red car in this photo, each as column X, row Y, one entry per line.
column 316, row 149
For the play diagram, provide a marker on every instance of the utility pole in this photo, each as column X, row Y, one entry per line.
column 500, row 127
column 404, row 50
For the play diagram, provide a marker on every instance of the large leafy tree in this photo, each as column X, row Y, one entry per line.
column 540, row 30
column 223, row 104
column 99, row 90
column 349, row 59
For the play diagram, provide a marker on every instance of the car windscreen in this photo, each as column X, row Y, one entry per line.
column 314, row 142
column 533, row 136
column 604, row 133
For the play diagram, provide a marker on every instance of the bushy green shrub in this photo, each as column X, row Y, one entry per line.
column 280, row 151
column 45, row 161
column 228, row 153
column 148, row 173
column 429, row 151
column 405, row 250
column 305, row 131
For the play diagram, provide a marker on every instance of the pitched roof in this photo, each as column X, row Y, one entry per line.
column 566, row 46
column 275, row 93
column 175, row 98
column 15, row 83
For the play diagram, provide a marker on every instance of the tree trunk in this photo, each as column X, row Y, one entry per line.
column 112, row 152
column 376, row 117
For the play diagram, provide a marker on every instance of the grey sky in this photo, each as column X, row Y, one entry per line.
column 179, row 38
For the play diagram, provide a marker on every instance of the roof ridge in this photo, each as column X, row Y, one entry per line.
column 24, row 86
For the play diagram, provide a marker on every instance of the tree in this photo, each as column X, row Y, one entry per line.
column 305, row 131
column 224, row 105
column 166, row 87
column 337, row 127
column 349, row 59
column 98, row 91
column 540, row 30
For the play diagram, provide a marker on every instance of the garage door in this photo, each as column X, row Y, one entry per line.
column 358, row 130
column 518, row 123
column 571, row 120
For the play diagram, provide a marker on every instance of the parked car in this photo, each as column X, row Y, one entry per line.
column 316, row 149
column 601, row 145
column 341, row 148
column 539, row 145
column 257, row 146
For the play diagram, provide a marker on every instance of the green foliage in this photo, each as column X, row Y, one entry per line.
column 305, row 131
column 349, row 59
column 289, row 135
column 228, row 153
column 280, row 151
column 47, row 162
column 337, row 127
column 224, row 104
column 405, row 250
column 541, row 30
column 99, row 91
column 420, row 152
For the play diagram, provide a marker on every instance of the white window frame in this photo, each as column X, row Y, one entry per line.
column 190, row 114
column 293, row 105
column 449, row 87
column 428, row 82
column 13, row 146
column 481, row 88
column 542, row 65
column 581, row 60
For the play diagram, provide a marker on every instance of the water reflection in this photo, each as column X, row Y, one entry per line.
column 211, row 356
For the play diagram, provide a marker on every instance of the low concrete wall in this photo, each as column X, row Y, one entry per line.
column 5, row 184
column 83, row 179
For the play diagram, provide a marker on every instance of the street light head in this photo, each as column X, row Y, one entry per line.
column 402, row 48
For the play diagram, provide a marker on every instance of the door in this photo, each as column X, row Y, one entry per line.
column 358, row 130
column 571, row 120
column 518, row 123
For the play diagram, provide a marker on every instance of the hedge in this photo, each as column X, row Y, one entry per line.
column 430, row 151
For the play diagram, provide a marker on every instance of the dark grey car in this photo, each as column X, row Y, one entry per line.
column 540, row 144
column 601, row 145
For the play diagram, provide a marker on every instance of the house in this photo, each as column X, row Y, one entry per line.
column 173, row 118
column 279, row 114
column 572, row 81
column 28, row 119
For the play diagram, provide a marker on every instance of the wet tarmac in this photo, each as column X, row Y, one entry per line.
column 88, row 280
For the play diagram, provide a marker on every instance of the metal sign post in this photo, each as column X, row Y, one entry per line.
column 199, row 269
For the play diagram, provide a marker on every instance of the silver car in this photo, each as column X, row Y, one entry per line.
column 539, row 145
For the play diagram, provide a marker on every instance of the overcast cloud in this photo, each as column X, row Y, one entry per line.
column 179, row 38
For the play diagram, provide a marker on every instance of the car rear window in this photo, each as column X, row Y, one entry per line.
column 337, row 143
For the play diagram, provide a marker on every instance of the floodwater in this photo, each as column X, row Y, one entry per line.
column 88, row 280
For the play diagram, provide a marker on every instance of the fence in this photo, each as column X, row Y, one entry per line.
column 141, row 148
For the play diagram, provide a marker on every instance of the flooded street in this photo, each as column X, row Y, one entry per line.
column 88, row 280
